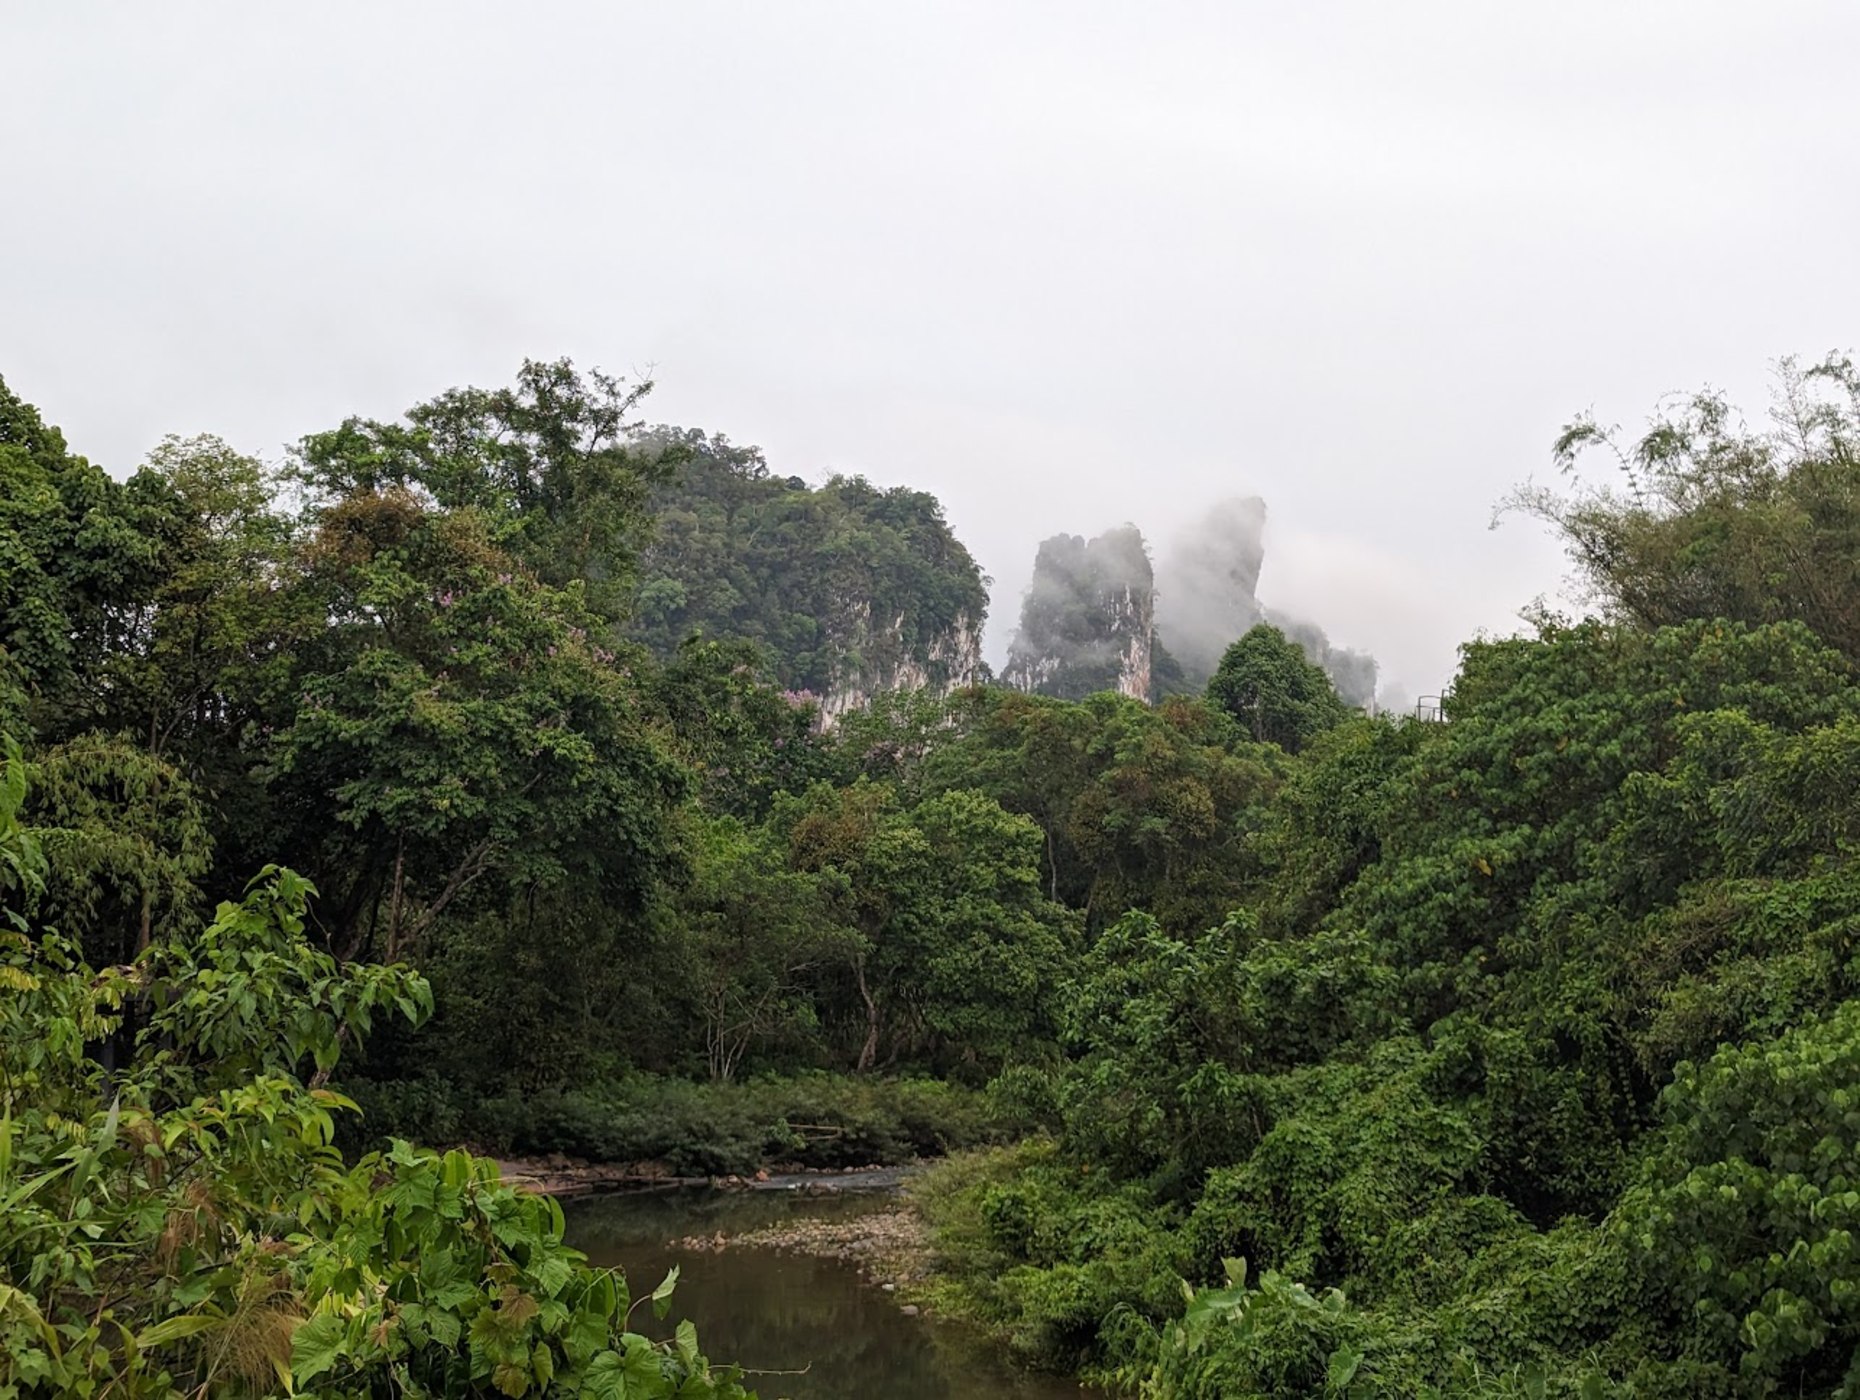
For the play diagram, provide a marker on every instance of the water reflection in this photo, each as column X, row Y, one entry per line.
column 809, row 1327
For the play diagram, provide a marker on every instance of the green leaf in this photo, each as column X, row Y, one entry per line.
column 1344, row 1362
column 444, row 1326
column 662, row 1295
column 645, row 1371
column 605, row 1377
column 316, row 1346
column 587, row 1334
column 553, row 1275
column 31, row 1187
column 173, row 1329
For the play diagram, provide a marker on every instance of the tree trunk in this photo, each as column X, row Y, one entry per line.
column 142, row 933
column 400, row 865
column 868, row 1053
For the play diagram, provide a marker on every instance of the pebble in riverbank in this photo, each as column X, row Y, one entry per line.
column 891, row 1248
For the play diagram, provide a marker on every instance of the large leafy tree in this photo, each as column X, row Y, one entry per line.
column 182, row 1224
column 459, row 730
column 1741, row 1231
column 1716, row 519
column 79, row 558
column 749, row 937
column 129, row 842
column 1137, row 807
column 1272, row 692
column 550, row 462
column 745, row 740
column 957, row 951
column 975, row 960
column 210, row 662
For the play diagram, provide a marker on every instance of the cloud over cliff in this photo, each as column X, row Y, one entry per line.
column 1098, row 616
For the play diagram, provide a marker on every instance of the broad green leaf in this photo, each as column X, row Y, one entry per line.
column 662, row 1295
column 316, row 1346
column 1342, row 1369
column 605, row 1377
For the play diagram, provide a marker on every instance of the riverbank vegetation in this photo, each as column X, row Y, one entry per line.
column 1525, row 1064
column 1311, row 1053
column 174, row 1219
column 661, row 1125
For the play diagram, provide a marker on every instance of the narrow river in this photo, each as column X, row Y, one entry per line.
column 808, row 1327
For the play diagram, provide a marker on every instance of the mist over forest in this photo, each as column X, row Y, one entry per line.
column 600, row 797
column 857, row 828
column 1117, row 612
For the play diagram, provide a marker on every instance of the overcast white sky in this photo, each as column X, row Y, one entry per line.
column 1063, row 264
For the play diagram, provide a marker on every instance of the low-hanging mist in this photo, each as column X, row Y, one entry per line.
column 1099, row 615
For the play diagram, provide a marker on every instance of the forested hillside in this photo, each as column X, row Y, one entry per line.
column 846, row 590
column 1525, row 1062
column 1305, row 1053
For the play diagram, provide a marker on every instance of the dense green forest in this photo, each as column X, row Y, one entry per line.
column 1304, row 1053
column 1526, row 1060
column 845, row 590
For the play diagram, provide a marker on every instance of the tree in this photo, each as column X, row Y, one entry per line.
column 844, row 832
column 457, row 722
column 1138, row 807
column 958, row 952
column 891, row 739
column 183, row 1225
column 1027, row 752
column 79, row 554
column 129, row 843
column 1717, row 520
column 744, row 740
column 221, row 618
column 977, row 956
column 1272, row 692
column 747, row 931
column 549, row 462
column 1742, row 1233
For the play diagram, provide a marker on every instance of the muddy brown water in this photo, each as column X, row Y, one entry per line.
column 807, row 1328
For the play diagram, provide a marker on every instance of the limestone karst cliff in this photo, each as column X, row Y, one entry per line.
column 1098, row 617
column 1088, row 621
column 848, row 589
column 1207, row 596
column 871, row 660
